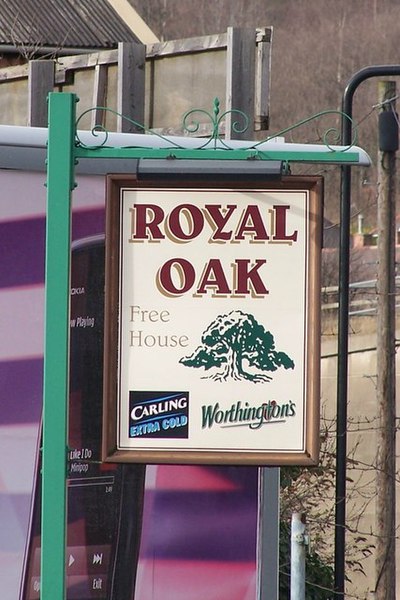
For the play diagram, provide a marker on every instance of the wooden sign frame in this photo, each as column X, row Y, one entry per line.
column 176, row 254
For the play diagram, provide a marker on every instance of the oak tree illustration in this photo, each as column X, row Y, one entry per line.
column 232, row 341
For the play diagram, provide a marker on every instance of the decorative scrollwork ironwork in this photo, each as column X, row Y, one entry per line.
column 217, row 121
column 101, row 129
column 329, row 132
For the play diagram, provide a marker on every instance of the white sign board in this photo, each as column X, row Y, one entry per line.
column 212, row 320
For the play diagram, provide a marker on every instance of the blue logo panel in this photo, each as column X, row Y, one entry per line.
column 158, row 414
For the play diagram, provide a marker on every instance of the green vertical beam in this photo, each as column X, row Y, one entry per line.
column 60, row 177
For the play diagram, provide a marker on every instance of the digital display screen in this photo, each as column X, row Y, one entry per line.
column 101, row 553
column 92, row 525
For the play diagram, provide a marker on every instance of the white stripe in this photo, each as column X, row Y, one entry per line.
column 23, row 194
column 21, row 322
column 36, row 137
column 17, row 449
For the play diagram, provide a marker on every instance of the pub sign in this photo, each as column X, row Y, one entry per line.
column 212, row 322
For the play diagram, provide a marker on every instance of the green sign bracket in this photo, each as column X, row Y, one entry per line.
column 60, row 181
column 151, row 145
column 65, row 148
column 218, row 154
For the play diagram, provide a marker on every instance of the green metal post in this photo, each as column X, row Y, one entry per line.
column 60, row 177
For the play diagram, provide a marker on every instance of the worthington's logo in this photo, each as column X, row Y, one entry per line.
column 244, row 415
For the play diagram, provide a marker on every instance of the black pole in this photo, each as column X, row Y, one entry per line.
column 343, row 325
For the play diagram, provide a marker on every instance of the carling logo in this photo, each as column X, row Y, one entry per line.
column 158, row 414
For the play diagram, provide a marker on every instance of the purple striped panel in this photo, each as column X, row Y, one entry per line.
column 22, row 244
column 22, row 252
column 21, row 387
column 203, row 526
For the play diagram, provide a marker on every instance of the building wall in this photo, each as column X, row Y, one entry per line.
column 363, row 438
